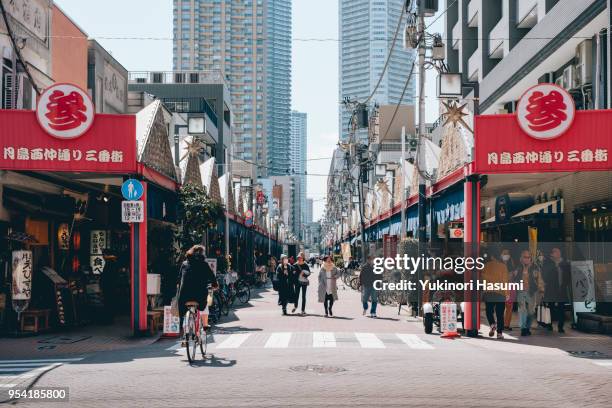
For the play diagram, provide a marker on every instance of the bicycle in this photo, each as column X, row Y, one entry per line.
column 194, row 332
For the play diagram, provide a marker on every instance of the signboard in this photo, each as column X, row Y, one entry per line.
column 545, row 111
column 583, row 287
column 132, row 211
column 248, row 218
column 98, row 241
column 109, row 146
column 261, row 198
column 97, row 263
column 65, row 111
column 114, row 87
column 212, row 262
column 448, row 318
column 153, row 284
column 22, row 275
column 346, row 251
column 132, row 189
column 455, row 233
column 502, row 146
column 32, row 14
column 171, row 321
column 63, row 236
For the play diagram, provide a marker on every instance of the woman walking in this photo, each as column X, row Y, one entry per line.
column 328, row 290
column 283, row 273
column 303, row 272
column 513, row 277
column 532, row 285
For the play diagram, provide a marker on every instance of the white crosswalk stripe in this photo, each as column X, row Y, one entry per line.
column 278, row 340
column 16, row 372
column 289, row 340
column 603, row 363
column 414, row 342
column 323, row 339
column 369, row 340
column 234, row 340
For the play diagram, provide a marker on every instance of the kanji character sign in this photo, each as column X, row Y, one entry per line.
column 545, row 111
column 65, row 111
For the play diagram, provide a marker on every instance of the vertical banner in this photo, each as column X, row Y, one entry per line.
column 583, row 287
column 346, row 251
column 22, row 275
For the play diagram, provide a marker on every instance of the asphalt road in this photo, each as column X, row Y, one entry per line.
column 262, row 359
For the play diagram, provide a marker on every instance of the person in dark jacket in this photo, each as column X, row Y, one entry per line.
column 284, row 284
column 367, row 278
column 194, row 277
column 302, row 271
column 556, row 275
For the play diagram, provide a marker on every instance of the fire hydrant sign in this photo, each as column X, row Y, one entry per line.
column 448, row 318
column 132, row 211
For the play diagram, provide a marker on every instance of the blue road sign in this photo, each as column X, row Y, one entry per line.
column 132, row 189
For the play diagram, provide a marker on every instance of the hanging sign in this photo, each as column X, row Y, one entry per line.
column 546, row 134
column 97, row 263
column 98, row 241
column 22, row 275
column 63, row 236
column 132, row 211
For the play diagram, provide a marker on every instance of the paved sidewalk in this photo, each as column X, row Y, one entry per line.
column 76, row 341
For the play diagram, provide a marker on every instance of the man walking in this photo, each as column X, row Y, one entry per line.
column 367, row 278
column 556, row 274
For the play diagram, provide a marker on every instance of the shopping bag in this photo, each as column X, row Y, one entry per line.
column 543, row 314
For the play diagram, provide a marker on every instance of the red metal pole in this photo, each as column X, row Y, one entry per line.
column 471, row 241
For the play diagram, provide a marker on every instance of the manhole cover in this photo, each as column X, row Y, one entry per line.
column 587, row 354
column 317, row 368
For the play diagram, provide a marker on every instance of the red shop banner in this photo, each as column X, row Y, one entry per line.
column 65, row 134
column 546, row 134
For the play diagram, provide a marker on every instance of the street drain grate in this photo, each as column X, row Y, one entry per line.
column 317, row 368
column 587, row 354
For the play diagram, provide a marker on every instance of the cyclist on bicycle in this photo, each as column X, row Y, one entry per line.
column 194, row 278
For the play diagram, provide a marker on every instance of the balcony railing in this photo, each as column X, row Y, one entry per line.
column 177, row 77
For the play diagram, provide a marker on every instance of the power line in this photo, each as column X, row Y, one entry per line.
column 382, row 74
column 336, row 40
column 401, row 98
column 441, row 14
column 261, row 166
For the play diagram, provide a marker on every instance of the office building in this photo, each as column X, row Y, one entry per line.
column 366, row 30
column 249, row 42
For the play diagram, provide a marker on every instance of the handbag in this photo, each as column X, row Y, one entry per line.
column 543, row 314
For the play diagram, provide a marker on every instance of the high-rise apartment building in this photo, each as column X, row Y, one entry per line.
column 249, row 41
column 297, row 152
column 366, row 30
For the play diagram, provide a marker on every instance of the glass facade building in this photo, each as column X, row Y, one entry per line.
column 366, row 34
column 249, row 41
column 298, row 153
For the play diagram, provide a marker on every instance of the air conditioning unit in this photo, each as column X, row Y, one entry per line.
column 584, row 63
column 569, row 77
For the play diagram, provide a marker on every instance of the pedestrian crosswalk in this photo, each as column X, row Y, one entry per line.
column 603, row 363
column 319, row 340
column 14, row 373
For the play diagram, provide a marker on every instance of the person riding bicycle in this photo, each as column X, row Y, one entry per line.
column 194, row 277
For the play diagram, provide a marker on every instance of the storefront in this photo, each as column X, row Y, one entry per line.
column 67, row 256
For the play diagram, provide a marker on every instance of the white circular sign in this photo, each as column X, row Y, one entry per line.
column 65, row 111
column 545, row 111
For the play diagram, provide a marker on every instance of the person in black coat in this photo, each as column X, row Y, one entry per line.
column 284, row 284
column 194, row 277
column 556, row 275
column 302, row 271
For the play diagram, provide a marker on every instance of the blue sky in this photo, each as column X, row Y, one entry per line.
column 315, row 64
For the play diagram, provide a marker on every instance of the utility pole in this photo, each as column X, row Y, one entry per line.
column 420, row 151
column 403, row 186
